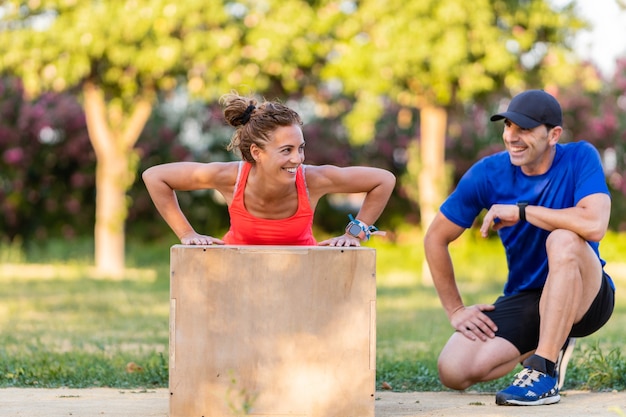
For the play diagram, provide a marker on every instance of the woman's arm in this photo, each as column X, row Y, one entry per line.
column 376, row 183
column 162, row 181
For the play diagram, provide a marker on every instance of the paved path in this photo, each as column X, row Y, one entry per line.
column 106, row 402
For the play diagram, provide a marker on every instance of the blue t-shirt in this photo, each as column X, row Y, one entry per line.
column 576, row 172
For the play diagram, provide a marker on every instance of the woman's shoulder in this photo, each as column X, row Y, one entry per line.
column 315, row 174
column 217, row 173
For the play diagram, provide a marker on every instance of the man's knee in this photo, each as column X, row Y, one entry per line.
column 559, row 238
column 454, row 375
column 563, row 243
column 568, row 252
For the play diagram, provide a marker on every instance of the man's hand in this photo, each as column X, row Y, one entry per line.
column 473, row 323
column 499, row 215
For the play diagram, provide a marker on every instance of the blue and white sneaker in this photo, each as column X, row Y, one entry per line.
column 531, row 387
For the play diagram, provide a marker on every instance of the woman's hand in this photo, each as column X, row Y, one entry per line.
column 198, row 239
column 343, row 240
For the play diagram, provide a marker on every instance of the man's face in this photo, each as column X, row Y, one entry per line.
column 530, row 149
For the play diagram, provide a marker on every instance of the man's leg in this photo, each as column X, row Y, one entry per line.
column 572, row 284
column 464, row 362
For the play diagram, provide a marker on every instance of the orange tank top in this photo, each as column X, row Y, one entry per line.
column 246, row 229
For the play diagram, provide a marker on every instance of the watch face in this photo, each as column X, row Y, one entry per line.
column 354, row 230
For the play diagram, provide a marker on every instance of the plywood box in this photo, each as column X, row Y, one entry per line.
column 272, row 331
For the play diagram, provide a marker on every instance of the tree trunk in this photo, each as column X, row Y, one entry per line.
column 111, row 211
column 432, row 176
column 113, row 139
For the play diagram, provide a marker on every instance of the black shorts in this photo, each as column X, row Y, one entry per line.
column 517, row 316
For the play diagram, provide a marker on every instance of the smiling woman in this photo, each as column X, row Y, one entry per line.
column 271, row 194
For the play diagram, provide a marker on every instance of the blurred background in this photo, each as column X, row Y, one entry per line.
column 93, row 93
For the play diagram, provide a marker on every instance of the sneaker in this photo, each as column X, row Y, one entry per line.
column 530, row 387
column 564, row 356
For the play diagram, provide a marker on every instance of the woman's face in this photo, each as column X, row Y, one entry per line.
column 283, row 154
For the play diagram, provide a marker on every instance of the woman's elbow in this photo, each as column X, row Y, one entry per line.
column 151, row 175
column 388, row 180
column 147, row 174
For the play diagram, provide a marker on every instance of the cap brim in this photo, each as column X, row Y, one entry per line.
column 519, row 119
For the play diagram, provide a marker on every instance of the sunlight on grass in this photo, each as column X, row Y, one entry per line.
column 66, row 271
column 62, row 325
column 83, row 312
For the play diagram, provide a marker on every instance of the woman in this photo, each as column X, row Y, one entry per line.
column 271, row 195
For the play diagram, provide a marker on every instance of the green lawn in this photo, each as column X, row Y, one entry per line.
column 63, row 326
column 60, row 325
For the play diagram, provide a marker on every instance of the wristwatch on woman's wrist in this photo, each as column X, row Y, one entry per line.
column 356, row 228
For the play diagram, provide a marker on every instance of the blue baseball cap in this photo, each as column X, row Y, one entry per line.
column 531, row 109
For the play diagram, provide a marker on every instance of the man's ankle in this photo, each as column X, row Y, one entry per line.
column 540, row 364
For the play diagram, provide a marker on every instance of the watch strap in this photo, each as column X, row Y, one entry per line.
column 365, row 230
column 522, row 210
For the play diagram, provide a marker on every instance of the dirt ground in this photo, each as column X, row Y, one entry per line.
column 107, row 402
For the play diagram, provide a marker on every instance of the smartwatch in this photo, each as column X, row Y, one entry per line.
column 522, row 210
column 357, row 228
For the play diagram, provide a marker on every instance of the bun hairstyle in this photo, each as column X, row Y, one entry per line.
column 254, row 122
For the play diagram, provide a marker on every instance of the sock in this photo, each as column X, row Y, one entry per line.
column 551, row 368
column 541, row 364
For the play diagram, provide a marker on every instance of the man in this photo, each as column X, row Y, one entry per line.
column 550, row 206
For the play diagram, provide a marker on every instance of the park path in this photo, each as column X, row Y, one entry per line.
column 108, row 402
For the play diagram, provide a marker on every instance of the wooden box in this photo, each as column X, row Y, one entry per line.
column 272, row 331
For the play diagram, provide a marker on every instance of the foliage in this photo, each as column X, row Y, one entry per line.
column 280, row 49
column 130, row 48
column 600, row 118
column 445, row 52
column 603, row 368
column 47, row 165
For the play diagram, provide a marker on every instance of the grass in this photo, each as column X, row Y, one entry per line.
column 60, row 325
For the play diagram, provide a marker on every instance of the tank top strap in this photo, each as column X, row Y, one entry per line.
column 239, row 173
column 306, row 187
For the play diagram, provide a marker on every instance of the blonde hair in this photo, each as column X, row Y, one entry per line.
column 254, row 123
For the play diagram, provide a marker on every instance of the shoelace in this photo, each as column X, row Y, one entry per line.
column 526, row 377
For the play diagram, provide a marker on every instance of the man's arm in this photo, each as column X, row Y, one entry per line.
column 440, row 234
column 589, row 218
column 470, row 321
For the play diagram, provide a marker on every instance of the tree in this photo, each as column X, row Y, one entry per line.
column 436, row 54
column 122, row 54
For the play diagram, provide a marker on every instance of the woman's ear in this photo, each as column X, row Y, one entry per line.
column 255, row 151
